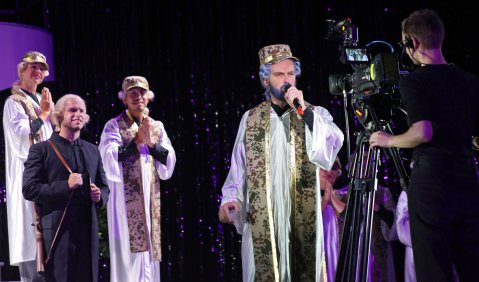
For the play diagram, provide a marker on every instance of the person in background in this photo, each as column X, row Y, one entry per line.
column 383, row 232
column 333, row 205
column 136, row 153
column 64, row 176
column 444, row 181
column 26, row 121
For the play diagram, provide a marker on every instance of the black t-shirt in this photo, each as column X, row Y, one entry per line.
column 448, row 97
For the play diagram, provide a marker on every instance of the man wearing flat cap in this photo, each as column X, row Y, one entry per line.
column 26, row 121
column 136, row 153
column 271, row 193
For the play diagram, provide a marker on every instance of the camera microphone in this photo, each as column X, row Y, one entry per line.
column 284, row 88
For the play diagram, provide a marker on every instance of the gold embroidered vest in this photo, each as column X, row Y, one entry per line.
column 134, row 200
column 303, row 193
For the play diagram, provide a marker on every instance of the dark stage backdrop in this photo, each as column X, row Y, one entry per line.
column 200, row 58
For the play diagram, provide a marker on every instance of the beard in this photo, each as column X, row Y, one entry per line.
column 277, row 93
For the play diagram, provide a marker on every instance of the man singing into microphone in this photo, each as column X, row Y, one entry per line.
column 272, row 193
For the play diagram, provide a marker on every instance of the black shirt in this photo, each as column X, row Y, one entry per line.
column 447, row 97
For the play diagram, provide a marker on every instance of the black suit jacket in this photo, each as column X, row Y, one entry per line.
column 45, row 182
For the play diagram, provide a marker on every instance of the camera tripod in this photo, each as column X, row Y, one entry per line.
column 355, row 246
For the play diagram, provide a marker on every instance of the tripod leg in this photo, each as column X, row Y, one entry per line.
column 371, row 175
column 355, row 244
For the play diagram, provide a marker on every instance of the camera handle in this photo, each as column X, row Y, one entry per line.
column 391, row 153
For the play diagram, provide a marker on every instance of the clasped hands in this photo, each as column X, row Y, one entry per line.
column 145, row 133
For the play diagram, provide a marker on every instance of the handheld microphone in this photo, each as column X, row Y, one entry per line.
column 284, row 88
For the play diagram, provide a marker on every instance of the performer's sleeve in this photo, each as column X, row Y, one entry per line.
column 16, row 128
column 124, row 152
column 159, row 153
column 308, row 118
column 100, row 182
column 36, row 125
column 235, row 182
column 35, row 179
column 324, row 141
column 165, row 169
column 110, row 142
column 402, row 220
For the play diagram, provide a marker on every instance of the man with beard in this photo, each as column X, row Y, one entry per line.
column 271, row 193
column 64, row 176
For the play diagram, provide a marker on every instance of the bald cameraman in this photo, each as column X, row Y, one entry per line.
column 442, row 104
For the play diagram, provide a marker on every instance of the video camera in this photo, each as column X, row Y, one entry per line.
column 376, row 77
column 379, row 75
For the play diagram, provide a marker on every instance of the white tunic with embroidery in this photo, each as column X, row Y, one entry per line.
column 322, row 145
column 16, row 130
column 125, row 265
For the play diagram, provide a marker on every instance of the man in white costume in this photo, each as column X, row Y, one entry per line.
column 136, row 154
column 26, row 120
column 272, row 192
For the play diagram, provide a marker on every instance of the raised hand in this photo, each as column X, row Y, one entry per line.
column 46, row 104
column 145, row 132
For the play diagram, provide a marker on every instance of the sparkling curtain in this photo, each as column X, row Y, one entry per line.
column 201, row 61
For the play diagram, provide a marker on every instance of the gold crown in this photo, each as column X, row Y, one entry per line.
column 274, row 53
column 135, row 81
column 35, row 57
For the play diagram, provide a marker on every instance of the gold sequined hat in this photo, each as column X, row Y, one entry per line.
column 272, row 54
column 135, row 81
column 35, row 57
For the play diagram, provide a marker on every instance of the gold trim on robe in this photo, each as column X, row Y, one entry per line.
column 134, row 200
column 303, row 193
column 20, row 97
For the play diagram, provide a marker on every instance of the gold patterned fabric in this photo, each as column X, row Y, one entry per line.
column 19, row 97
column 303, row 191
column 135, row 205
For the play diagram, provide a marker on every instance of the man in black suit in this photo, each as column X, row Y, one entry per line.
column 76, row 192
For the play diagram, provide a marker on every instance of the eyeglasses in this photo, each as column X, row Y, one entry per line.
column 402, row 44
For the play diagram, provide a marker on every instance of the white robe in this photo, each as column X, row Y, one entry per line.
column 16, row 130
column 331, row 240
column 322, row 146
column 404, row 234
column 125, row 265
column 388, row 234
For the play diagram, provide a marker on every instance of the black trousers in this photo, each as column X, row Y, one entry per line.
column 443, row 202
column 71, row 259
